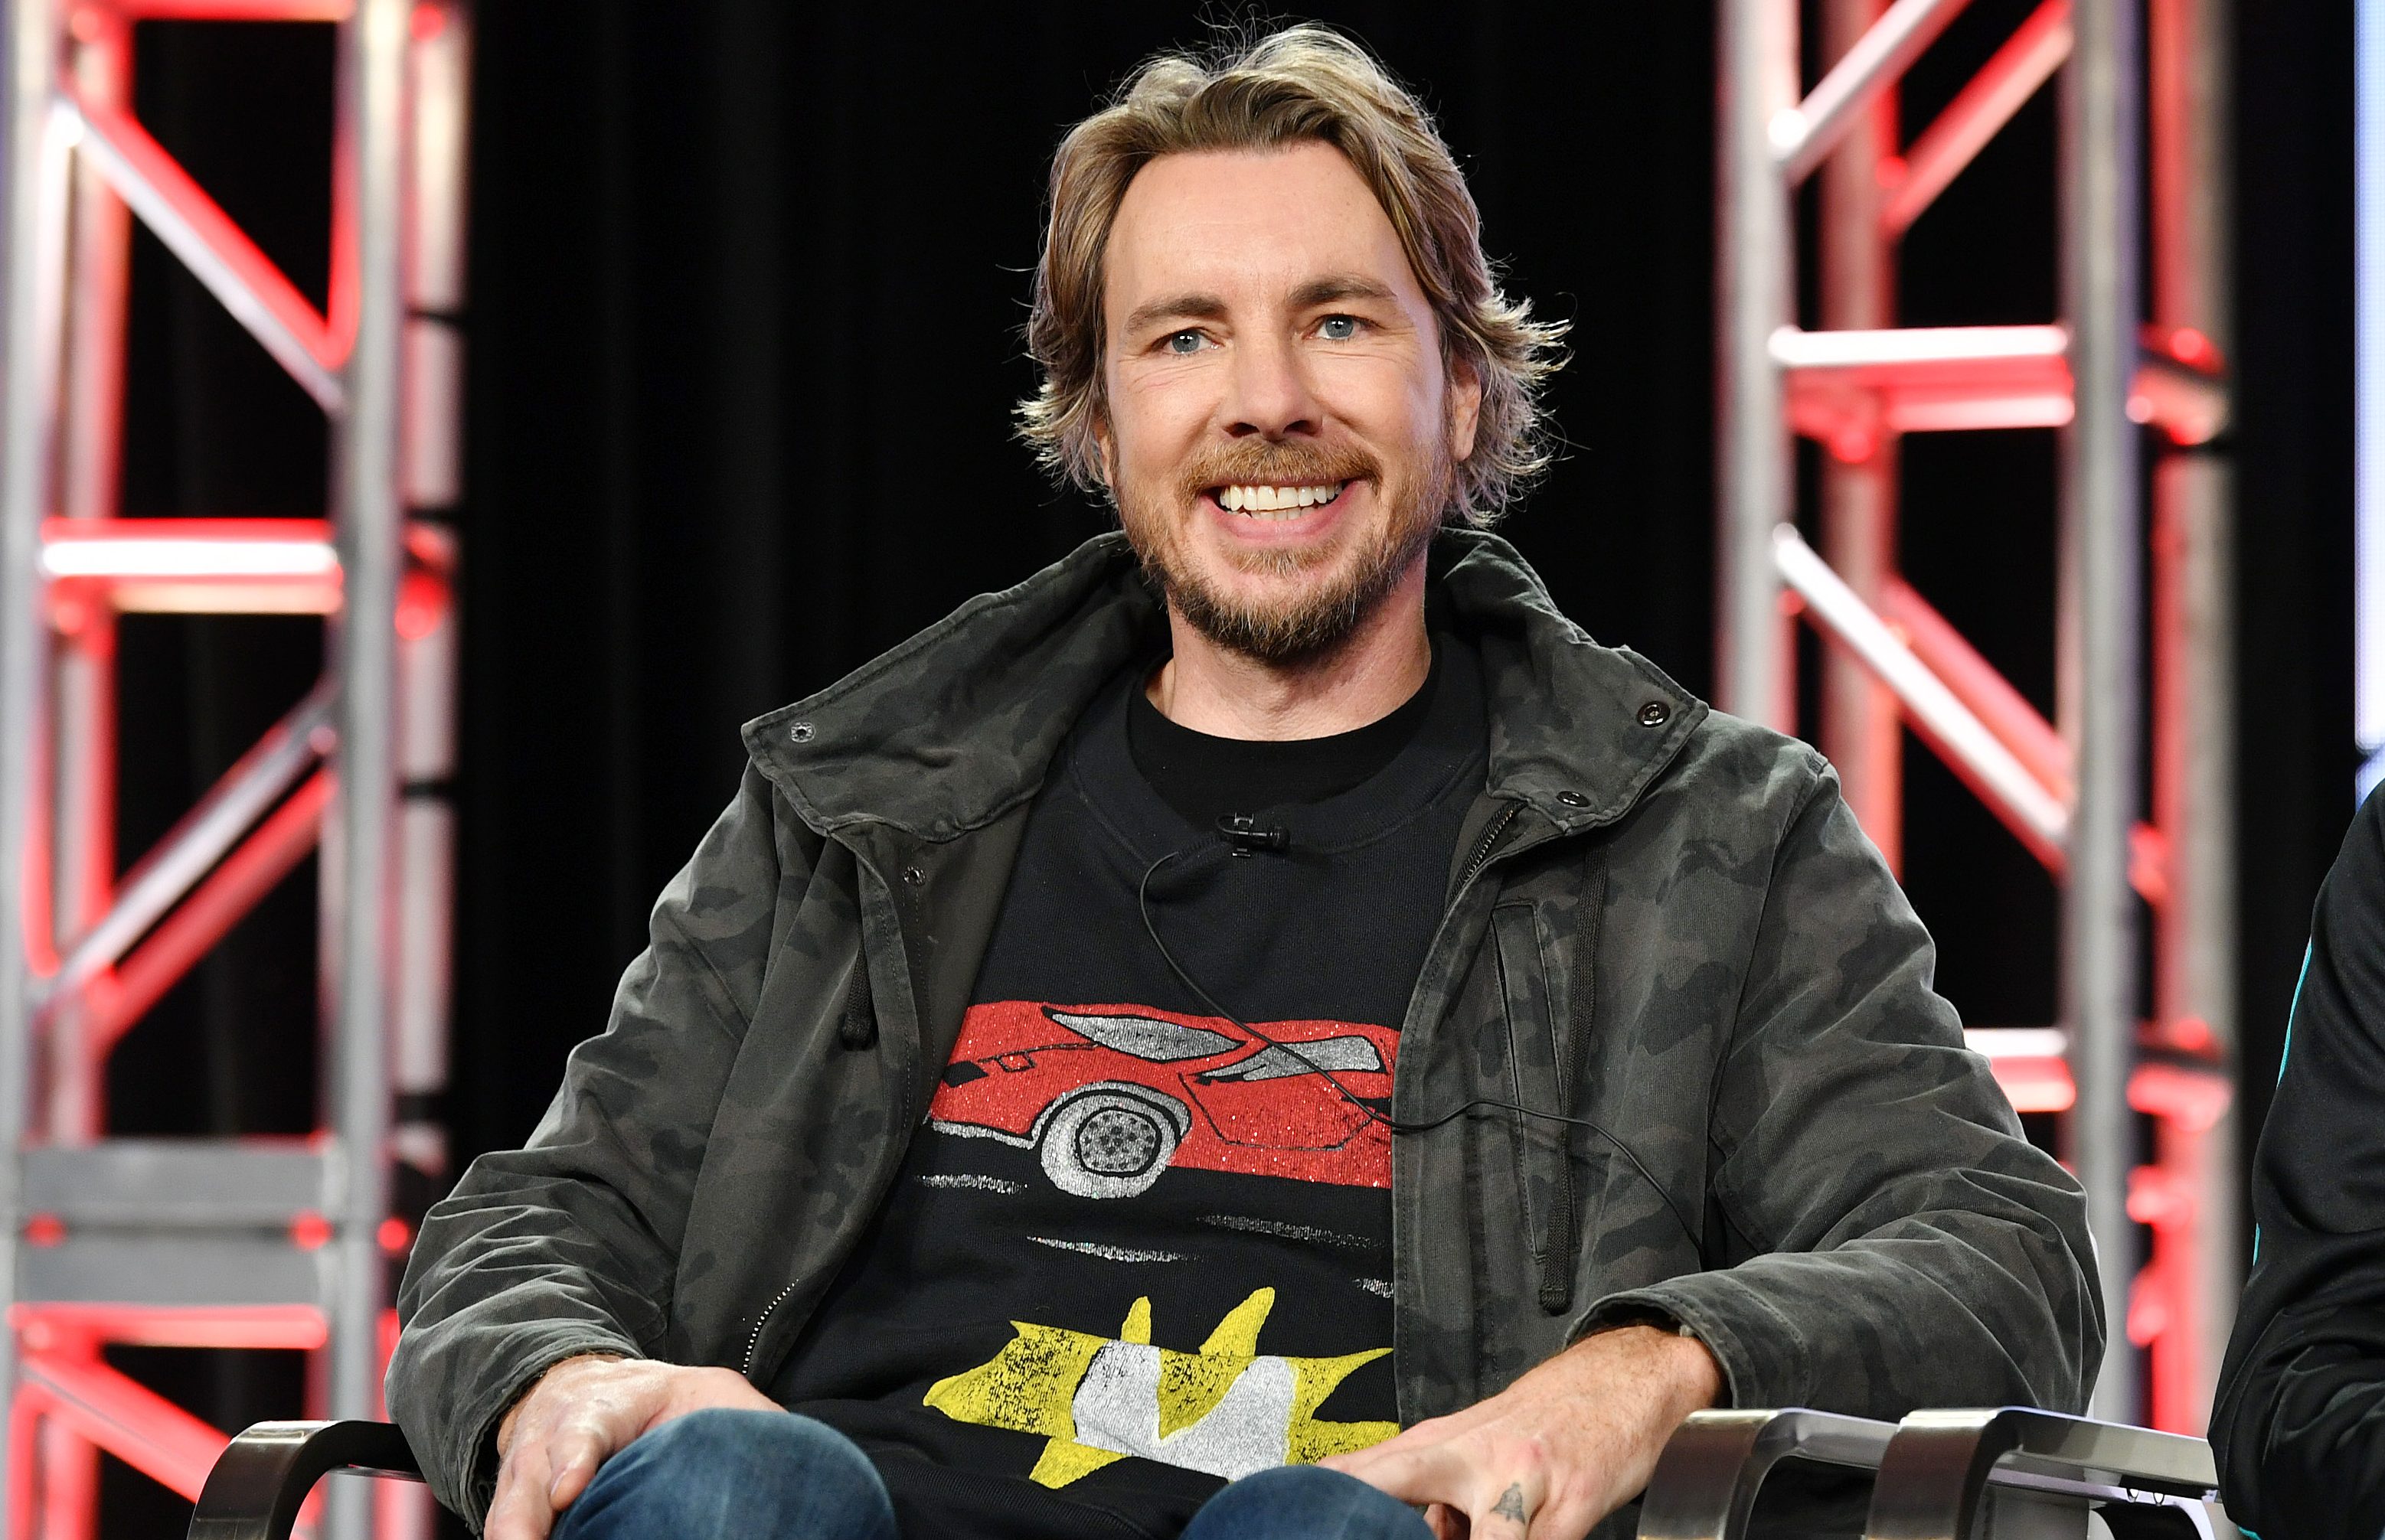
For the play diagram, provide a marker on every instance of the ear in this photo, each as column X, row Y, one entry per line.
column 1464, row 407
column 1109, row 458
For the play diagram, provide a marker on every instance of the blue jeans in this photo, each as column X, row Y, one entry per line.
column 771, row 1475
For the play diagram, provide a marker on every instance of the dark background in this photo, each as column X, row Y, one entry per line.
column 746, row 281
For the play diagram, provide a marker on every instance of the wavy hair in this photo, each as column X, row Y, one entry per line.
column 1302, row 83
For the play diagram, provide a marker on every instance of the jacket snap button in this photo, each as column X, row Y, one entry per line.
column 1655, row 714
column 1573, row 799
column 801, row 732
column 912, row 876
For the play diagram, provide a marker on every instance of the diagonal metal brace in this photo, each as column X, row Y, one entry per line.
column 202, row 838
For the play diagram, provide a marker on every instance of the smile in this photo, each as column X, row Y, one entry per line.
column 1276, row 502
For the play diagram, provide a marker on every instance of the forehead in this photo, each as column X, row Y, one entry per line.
column 1249, row 226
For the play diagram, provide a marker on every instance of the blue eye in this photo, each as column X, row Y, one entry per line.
column 1184, row 342
column 1338, row 329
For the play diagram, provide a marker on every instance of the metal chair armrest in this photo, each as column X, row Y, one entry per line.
column 1705, row 1483
column 257, row 1483
column 1939, row 1465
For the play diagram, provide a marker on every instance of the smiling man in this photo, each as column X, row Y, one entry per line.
column 1263, row 1030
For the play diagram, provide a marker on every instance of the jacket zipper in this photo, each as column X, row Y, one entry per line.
column 754, row 1342
column 1483, row 850
column 910, row 900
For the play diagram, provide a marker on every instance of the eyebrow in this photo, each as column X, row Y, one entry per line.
column 1342, row 286
column 1209, row 307
column 1189, row 307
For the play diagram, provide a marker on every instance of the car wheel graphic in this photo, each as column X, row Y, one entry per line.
column 1108, row 1145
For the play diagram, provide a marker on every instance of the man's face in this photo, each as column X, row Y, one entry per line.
column 1281, row 431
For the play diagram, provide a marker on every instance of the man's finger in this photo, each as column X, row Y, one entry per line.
column 1418, row 1474
column 573, row 1455
column 1507, row 1516
column 519, row 1509
column 1445, row 1522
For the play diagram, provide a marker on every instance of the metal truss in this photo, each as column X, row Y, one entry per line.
column 2133, row 74
column 225, row 1243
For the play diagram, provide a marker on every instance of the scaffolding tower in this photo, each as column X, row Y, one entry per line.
column 232, row 1243
column 2112, row 377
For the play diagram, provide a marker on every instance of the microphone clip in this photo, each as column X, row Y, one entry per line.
column 1244, row 836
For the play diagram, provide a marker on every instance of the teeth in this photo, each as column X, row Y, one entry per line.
column 1275, row 501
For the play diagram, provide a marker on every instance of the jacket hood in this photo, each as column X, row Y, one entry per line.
column 958, row 726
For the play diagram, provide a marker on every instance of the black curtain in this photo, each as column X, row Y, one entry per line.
column 746, row 281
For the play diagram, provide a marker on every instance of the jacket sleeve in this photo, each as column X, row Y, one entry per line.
column 2299, row 1427
column 569, row 1244
column 1893, row 1241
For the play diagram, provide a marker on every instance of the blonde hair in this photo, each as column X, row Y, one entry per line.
column 1303, row 82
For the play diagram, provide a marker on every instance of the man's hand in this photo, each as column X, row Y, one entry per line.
column 580, row 1413
column 1556, row 1451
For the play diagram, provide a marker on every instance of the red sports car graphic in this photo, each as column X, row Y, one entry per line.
column 1110, row 1096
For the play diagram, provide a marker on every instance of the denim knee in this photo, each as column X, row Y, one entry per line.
column 723, row 1474
column 1307, row 1502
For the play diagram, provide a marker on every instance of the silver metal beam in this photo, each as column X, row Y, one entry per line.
column 32, row 172
column 1752, row 276
column 369, row 523
column 2102, row 543
column 1794, row 349
column 1802, row 136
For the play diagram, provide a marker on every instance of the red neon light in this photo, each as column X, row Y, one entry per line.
column 127, row 1419
column 24, row 1425
column 1975, row 681
column 226, row 10
column 45, row 1230
column 2035, row 1085
column 214, row 907
column 284, row 1327
column 1978, row 112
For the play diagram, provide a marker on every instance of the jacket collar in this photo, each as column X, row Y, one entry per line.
column 958, row 726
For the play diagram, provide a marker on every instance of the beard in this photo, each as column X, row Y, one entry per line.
column 1312, row 622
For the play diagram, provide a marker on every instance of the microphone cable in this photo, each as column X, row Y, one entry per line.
column 1151, row 928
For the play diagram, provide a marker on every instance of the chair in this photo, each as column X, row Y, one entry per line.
column 2029, row 1475
column 256, row 1485
column 1996, row 1473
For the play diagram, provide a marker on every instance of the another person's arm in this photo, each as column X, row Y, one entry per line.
column 2300, row 1423
column 569, row 1247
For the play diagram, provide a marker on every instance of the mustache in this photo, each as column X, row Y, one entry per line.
column 1276, row 465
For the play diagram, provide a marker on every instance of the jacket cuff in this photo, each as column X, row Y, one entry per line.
column 1761, row 1353
column 526, row 1358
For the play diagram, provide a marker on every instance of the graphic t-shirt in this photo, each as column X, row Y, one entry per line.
column 1144, row 1244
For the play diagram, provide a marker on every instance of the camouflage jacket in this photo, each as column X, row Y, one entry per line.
column 1660, row 919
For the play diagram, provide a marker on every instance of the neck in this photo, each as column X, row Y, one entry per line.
column 1372, row 674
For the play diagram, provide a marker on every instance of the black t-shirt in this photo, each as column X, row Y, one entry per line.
column 1144, row 1244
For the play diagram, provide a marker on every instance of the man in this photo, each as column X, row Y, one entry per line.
column 1266, row 982
column 2299, row 1424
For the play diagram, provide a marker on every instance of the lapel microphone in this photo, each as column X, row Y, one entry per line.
column 1243, row 835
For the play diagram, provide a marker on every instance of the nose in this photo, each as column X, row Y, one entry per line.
column 1273, row 397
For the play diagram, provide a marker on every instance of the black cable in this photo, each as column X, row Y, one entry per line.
column 1151, row 928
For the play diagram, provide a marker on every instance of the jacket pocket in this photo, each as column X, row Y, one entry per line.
column 1539, row 1083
